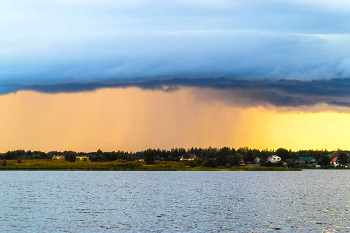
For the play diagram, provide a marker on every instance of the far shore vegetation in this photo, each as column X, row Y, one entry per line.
column 177, row 159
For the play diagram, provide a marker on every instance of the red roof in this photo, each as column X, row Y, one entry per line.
column 334, row 160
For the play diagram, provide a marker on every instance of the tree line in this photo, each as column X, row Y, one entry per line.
column 211, row 156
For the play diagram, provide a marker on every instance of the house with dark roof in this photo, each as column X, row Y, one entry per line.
column 188, row 157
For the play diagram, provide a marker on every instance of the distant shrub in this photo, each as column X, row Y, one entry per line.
column 4, row 163
column 228, row 165
column 199, row 161
column 191, row 163
column 209, row 163
column 124, row 166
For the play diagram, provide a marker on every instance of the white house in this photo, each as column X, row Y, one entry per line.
column 273, row 159
column 257, row 160
column 334, row 162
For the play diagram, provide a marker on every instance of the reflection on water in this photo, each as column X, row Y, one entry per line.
column 67, row 201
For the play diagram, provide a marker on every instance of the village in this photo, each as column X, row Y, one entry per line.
column 272, row 160
column 205, row 157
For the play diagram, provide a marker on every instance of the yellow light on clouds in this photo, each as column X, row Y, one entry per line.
column 134, row 119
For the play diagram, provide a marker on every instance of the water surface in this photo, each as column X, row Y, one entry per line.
column 95, row 201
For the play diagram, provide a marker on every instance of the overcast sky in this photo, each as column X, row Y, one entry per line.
column 58, row 41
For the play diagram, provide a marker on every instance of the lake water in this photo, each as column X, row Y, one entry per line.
column 85, row 201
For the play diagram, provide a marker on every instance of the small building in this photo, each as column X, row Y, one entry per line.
column 257, row 160
column 82, row 157
column 273, row 159
column 334, row 162
column 188, row 157
column 58, row 157
column 307, row 159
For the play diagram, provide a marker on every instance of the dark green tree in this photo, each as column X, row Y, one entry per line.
column 325, row 160
column 343, row 158
column 290, row 162
column 70, row 156
column 249, row 156
column 283, row 153
column 234, row 160
column 10, row 155
column 209, row 163
column 149, row 156
column 221, row 156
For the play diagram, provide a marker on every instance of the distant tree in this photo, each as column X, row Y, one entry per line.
column 209, row 163
column 122, row 155
column 100, row 156
column 149, row 156
column 221, row 156
column 290, row 162
column 4, row 163
column 249, row 156
column 70, row 156
column 234, row 160
column 283, row 153
column 325, row 160
column 343, row 158
column 38, row 155
column 20, row 153
column 99, row 152
column 10, row 155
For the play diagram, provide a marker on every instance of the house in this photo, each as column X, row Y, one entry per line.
column 82, row 157
column 307, row 159
column 58, row 157
column 188, row 157
column 257, row 160
column 334, row 162
column 273, row 159
column 255, row 163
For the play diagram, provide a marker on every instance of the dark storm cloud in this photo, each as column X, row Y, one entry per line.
column 278, row 52
column 279, row 93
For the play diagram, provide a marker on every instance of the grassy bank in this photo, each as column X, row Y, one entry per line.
column 59, row 165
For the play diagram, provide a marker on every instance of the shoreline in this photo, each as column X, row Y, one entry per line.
column 59, row 165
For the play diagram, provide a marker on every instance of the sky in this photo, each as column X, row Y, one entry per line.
column 129, row 75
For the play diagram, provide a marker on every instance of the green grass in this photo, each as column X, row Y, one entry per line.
column 59, row 165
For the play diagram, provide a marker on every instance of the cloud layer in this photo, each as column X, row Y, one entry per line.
column 47, row 42
column 278, row 93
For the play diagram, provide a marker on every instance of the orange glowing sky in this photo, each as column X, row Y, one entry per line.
column 133, row 119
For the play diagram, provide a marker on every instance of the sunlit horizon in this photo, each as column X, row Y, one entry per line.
column 133, row 119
